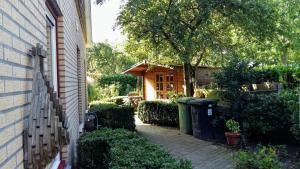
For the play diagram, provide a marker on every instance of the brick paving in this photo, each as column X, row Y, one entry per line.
column 202, row 154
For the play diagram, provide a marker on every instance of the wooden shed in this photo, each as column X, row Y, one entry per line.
column 158, row 80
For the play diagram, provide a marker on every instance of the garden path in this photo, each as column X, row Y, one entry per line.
column 202, row 154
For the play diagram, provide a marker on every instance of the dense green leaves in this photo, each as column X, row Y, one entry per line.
column 125, row 82
column 104, row 59
column 131, row 151
column 197, row 31
column 266, row 116
column 159, row 112
column 114, row 116
column 263, row 158
column 93, row 153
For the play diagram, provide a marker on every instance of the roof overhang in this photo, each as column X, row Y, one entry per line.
column 88, row 19
column 54, row 8
column 140, row 68
column 137, row 69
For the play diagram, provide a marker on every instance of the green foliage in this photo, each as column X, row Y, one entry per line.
column 158, row 112
column 197, row 32
column 291, row 100
column 120, row 84
column 93, row 153
column 114, row 116
column 231, row 80
column 264, row 158
column 206, row 93
column 266, row 115
column 92, row 93
column 104, row 59
column 129, row 150
column 173, row 96
column 235, row 77
column 233, row 126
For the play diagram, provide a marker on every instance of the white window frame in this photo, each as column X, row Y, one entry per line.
column 52, row 22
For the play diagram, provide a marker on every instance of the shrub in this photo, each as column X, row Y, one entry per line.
column 92, row 93
column 235, row 77
column 93, row 153
column 173, row 96
column 158, row 112
column 291, row 99
column 129, row 150
column 233, row 126
column 264, row 158
column 125, row 82
column 266, row 116
column 113, row 115
column 231, row 80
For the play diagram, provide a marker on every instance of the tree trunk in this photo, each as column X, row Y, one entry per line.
column 187, row 68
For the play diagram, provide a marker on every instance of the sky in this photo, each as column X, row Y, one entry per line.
column 103, row 20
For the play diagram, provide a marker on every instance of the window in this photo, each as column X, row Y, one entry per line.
column 170, row 82
column 165, row 82
column 160, row 86
column 51, row 48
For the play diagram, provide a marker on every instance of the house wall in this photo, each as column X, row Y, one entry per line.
column 149, row 81
column 22, row 26
column 69, row 73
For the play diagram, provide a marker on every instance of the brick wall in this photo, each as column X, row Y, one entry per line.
column 22, row 25
column 73, row 40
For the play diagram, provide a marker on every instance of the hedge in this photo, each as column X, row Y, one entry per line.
column 93, row 153
column 127, row 82
column 129, row 150
column 266, row 116
column 114, row 116
column 158, row 112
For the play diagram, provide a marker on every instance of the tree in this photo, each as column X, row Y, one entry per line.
column 103, row 59
column 190, row 30
column 288, row 39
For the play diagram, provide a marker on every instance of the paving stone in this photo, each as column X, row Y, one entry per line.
column 202, row 154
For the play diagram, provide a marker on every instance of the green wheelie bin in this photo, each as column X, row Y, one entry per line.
column 185, row 119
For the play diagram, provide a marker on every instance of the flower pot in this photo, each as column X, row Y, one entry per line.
column 233, row 139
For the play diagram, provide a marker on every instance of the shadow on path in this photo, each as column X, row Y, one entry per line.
column 202, row 154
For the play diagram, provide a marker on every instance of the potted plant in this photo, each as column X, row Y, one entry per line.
column 233, row 136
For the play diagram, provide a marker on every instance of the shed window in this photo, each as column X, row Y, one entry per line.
column 165, row 82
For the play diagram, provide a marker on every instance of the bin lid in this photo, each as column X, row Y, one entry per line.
column 201, row 102
column 185, row 99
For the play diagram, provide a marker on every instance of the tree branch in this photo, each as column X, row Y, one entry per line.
column 170, row 40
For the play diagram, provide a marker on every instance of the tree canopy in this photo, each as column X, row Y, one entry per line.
column 198, row 31
column 104, row 59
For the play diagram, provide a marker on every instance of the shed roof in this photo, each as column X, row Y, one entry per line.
column 141, row 67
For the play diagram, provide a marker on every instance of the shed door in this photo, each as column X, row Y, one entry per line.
column 164, row 82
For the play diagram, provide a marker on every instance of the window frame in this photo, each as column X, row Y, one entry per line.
column 51, row 21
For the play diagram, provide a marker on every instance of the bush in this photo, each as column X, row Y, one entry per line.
column 129, row 150
column 92, row 93
column 291, row 99
column 288, row 75
column 235, row 77
column 158, row 112
column 265, row 116
column 125, row 82
column 173, row 96
column 264, row 158
column 113, row 115
column 93, row 153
